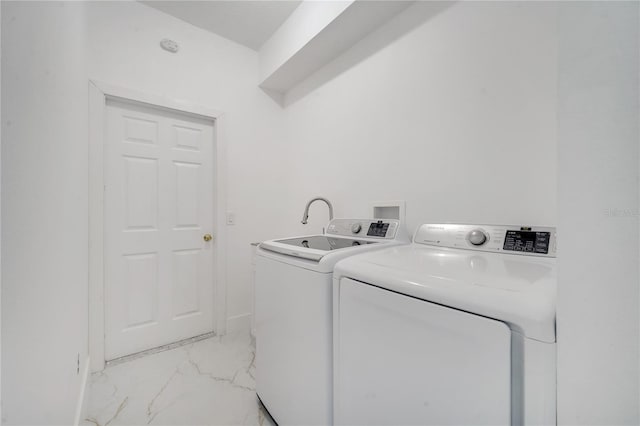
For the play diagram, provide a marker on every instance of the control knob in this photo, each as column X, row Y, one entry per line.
column 477, row 237
column 356, row 227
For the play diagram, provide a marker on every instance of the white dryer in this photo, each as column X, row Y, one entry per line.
column 294, row 315
column 457, row 328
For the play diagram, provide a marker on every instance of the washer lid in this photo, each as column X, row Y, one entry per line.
column 518, row 290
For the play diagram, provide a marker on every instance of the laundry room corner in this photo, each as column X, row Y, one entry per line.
column 318, row 212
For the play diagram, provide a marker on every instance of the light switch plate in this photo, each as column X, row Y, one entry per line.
column 231, row 218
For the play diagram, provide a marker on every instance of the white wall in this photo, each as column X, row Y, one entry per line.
column 598, row 321
column 44, row 211
column 451, row 107
column 123, row 50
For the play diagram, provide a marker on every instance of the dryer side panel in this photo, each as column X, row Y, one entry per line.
column 293, row 342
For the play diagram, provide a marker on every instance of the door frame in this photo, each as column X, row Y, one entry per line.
column 99, row 93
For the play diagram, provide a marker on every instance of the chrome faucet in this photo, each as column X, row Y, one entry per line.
column 305, row 216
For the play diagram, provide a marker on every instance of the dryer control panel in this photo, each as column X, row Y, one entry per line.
column 522, row 240
column 373, row 228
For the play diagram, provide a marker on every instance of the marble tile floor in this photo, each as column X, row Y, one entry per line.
column 210, row 382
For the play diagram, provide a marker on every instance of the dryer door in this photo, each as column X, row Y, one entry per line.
column 401, row 360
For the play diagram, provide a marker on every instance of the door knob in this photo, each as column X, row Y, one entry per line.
column 207, row 237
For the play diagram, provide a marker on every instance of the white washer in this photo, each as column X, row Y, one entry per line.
column 294, row 315
column 457, row 328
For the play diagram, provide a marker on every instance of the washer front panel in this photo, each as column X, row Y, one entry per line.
column 404, row 361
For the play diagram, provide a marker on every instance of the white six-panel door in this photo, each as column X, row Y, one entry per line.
column 159, row 196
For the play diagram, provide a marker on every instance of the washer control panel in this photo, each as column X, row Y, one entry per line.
column 374, row 228
column 378, row 229
column 527, row 241
column 523, row 240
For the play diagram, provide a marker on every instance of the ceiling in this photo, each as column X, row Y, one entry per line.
column 249, row 23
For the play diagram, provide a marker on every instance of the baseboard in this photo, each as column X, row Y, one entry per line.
column 239, row 323
column 83, row 396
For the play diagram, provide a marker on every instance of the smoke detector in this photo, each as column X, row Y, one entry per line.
column 169, row 45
